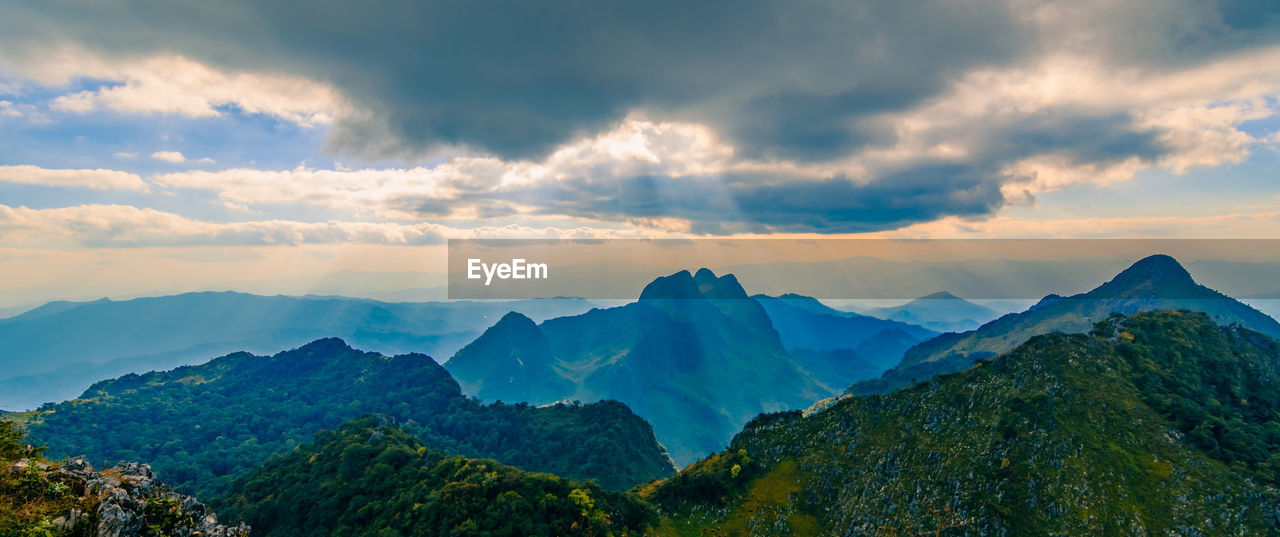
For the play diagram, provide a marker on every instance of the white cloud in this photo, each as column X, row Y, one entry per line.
column 634, row 147
column 99, row 179
column 8, row 109
column 1052, row 172
column 125, row 226
column 169, row 156
column 206, row 160
column 172, row 84
column 1193, row 116
column 1195, row 113
column 125, row 155
column 21, row 111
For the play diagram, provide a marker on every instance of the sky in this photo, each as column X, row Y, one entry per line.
column 149, row 147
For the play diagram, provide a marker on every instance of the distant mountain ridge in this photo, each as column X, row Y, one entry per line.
column 839, row 347
column 805, row 323
column 1155, row 282
column 694, row 355
column 940, row 311
column 53, row 352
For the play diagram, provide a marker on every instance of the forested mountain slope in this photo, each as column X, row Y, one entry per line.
column 201, row 426
column 1162, row 423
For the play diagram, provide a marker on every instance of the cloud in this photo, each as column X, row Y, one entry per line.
column 982, row 147
column 98, row 179
column 809, row 116
column 806, row 80
column 1066, row 119
column 170, row 84
column 169, row 156
column 521, row 84
column 26, row 112
column 671, row 176
column 120, row 226
column 634, row 147
column 8, row 109
column 125, row 226
column 125, row 155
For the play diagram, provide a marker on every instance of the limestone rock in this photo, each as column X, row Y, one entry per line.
column 114, row 502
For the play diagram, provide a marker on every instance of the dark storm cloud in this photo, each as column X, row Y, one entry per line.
column 780, row 202
column 805, row 81
column 733, row 203
column 520, row 78
column 786, row 79
column 838, row 205
column 1170, row 33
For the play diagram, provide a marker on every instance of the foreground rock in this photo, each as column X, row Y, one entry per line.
column 125, row 500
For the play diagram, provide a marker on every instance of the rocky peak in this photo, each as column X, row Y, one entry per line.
column 680, row 285
column 703, row 284
column 704, row 276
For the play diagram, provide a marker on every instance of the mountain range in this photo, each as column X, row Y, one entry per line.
column 1117, row 411
column 55, row 351
column 1160, row 423
column 1155, row 282
column 694, row 355
column 202, row 426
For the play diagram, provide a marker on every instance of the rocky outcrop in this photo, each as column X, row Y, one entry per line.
column 125, row 500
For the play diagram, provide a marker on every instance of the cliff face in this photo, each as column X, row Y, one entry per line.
column 122, row 501
column 694, row 356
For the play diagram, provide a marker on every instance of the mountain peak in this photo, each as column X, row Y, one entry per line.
column 1158, row 273
column 703, row 284
column 1158, row 264
column 514, row 319
column 1048, row 299
column 678, row 285
column 328, row 344
column 704, row 276
column 940, row 295
column 514, row 326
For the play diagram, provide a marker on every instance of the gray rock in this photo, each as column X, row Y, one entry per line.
column 137, row 478
column 122, row 496
column 116, row 520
